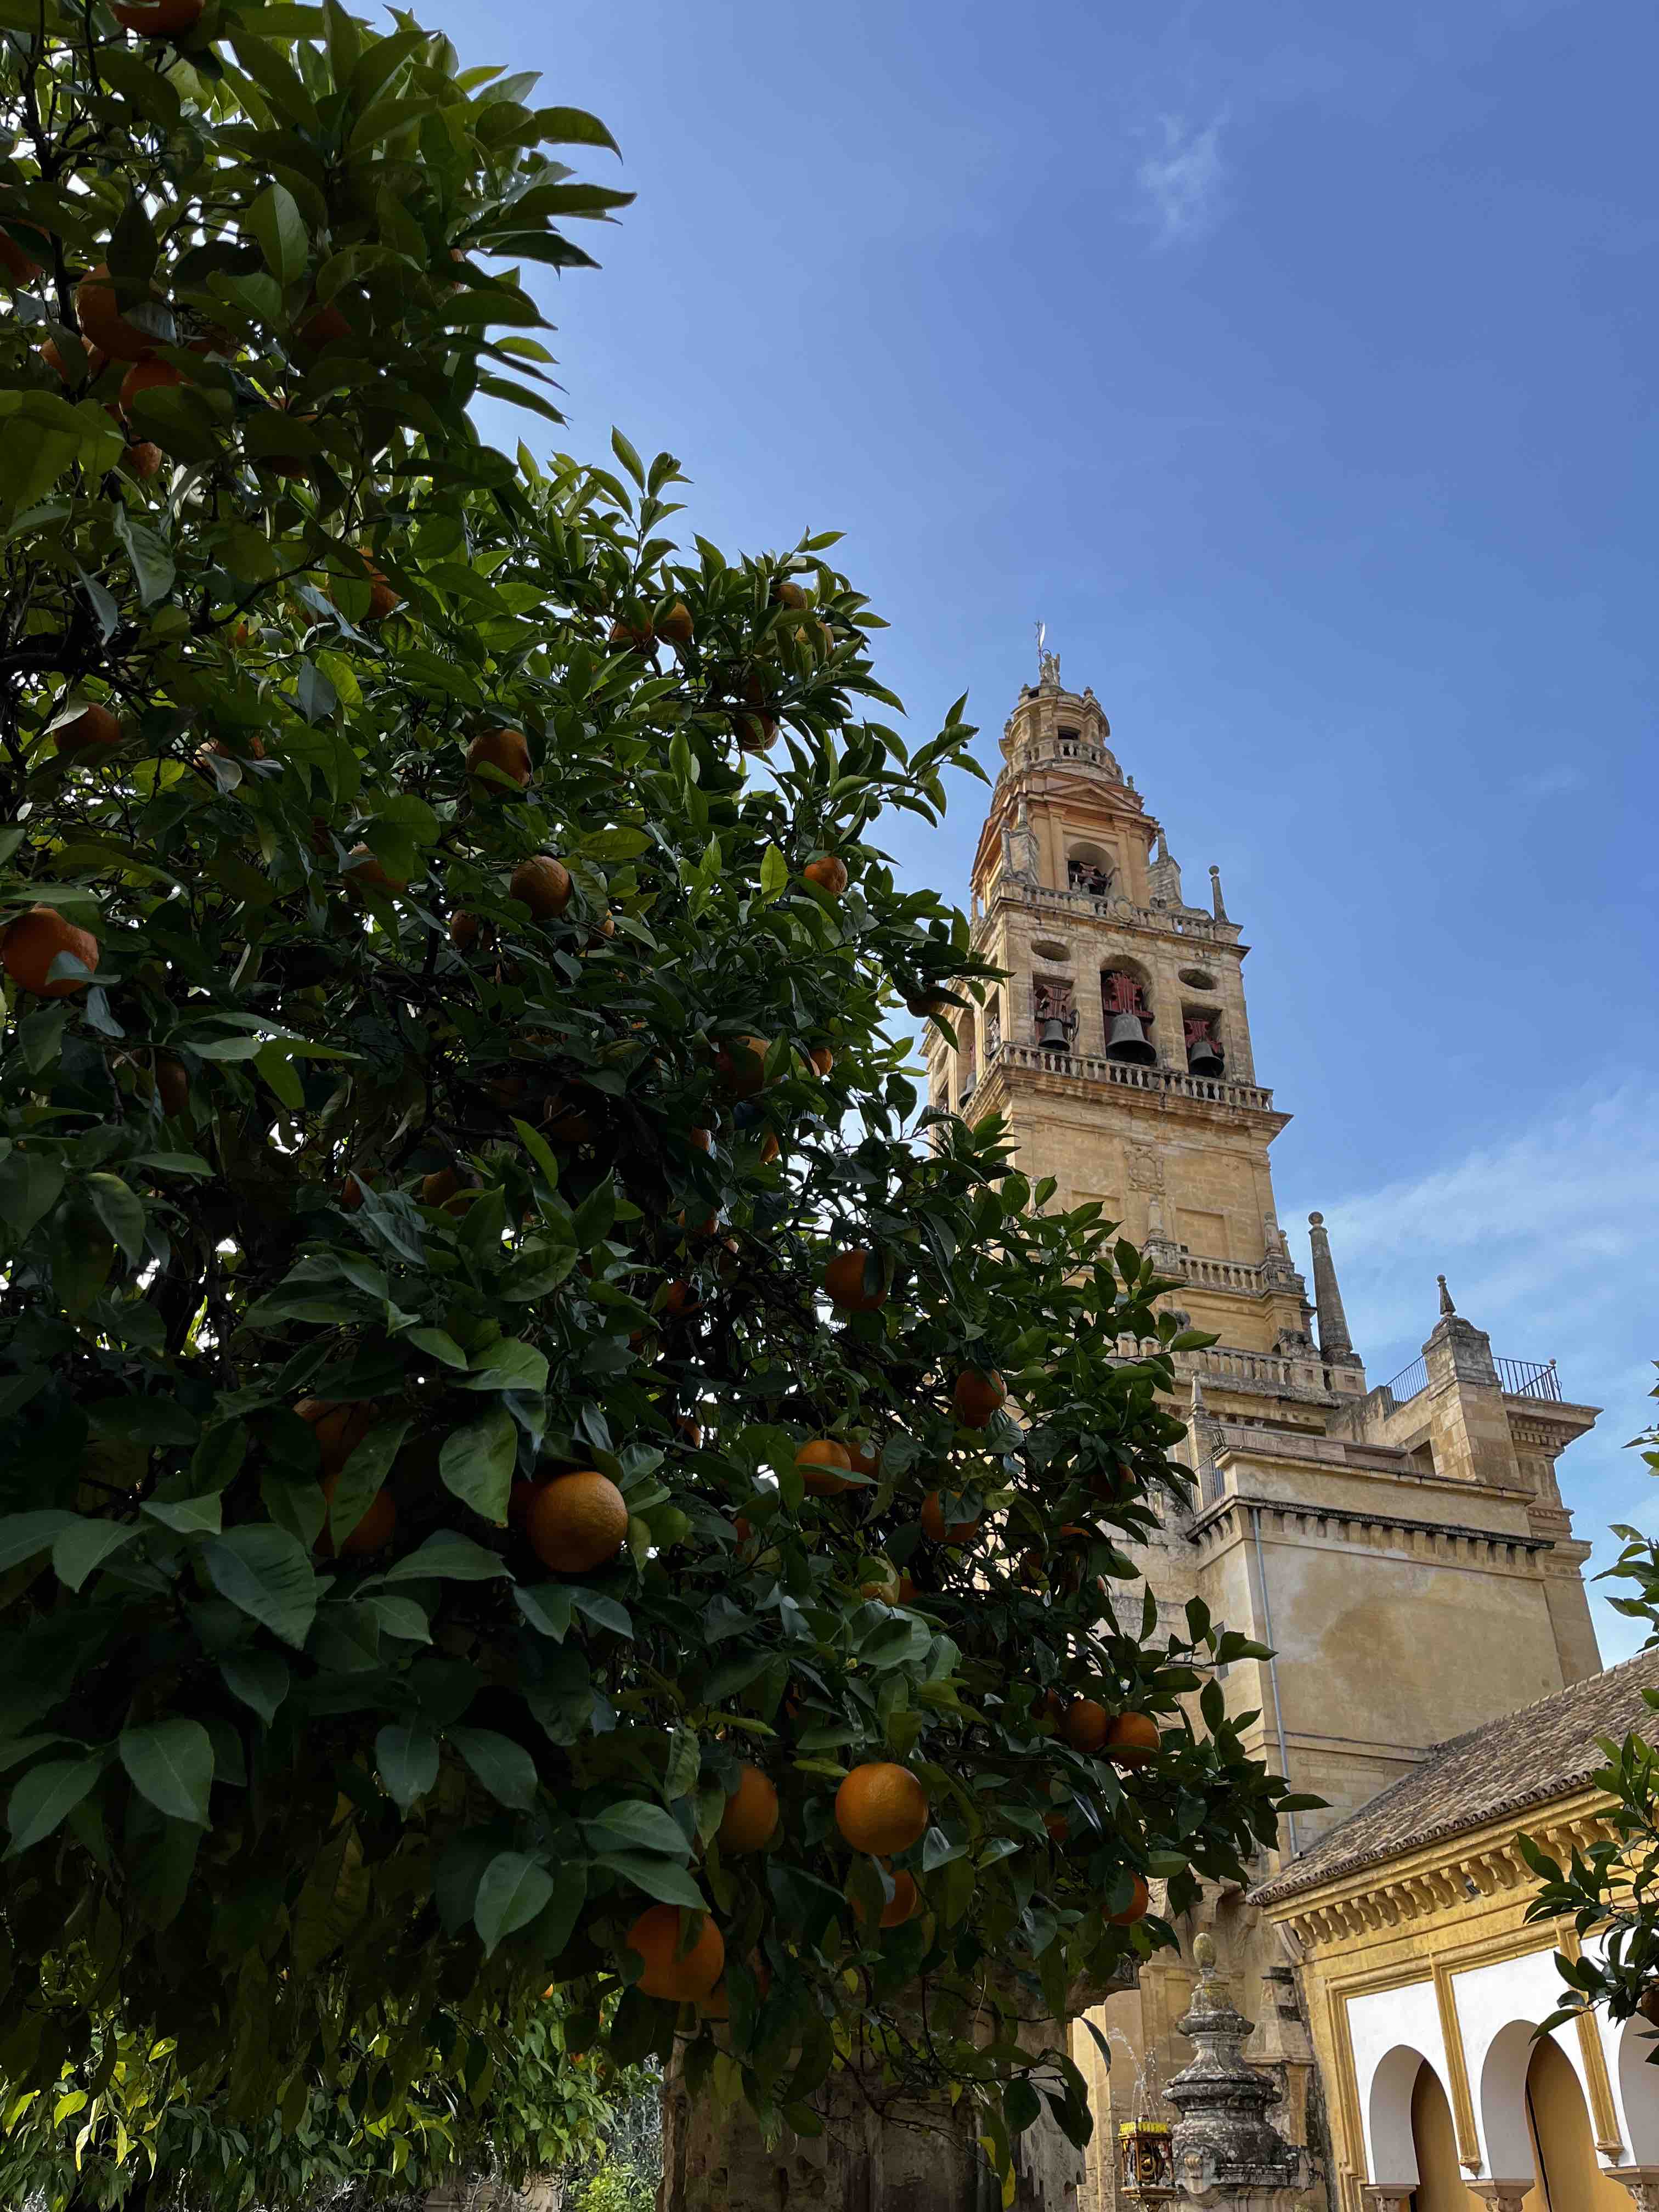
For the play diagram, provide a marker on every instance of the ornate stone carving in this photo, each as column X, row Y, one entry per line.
column 1146, row 1167
column 1641, row 2182
column 1386, row 2197
column 1228, row 2154
column 1501, row 2196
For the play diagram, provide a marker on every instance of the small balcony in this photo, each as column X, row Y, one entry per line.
column 1167, row 1082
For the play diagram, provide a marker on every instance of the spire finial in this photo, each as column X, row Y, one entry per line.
column 1217, row 904
column 1334, row 1342
column 1446, row 1305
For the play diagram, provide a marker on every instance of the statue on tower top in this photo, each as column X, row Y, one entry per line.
column 1048, row 663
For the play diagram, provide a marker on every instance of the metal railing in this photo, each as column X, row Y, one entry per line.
column 1528, row 1378
column 1409, row 1383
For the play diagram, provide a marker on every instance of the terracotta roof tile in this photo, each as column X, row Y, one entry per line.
column 1541, row 1751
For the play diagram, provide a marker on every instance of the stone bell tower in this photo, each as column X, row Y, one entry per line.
column 1404, row 1551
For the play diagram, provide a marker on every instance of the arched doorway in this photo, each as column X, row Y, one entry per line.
column 1440, row 2185
column 1566, row 2175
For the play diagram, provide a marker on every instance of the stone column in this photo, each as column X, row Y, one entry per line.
column 1335, row 1344
column 1228, row 2156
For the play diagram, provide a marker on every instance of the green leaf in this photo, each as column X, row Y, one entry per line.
column 276, row 221
column 153, row 566
column 361, row 1479
column 23, row 1535
column 505, row 1768
column 476, row 1462
column 513, row 1891
column 774, row 874
column 450, row 1558
column 30, row 1186
column 408, row 1761
column 629, row 459
column 572, row 126
column 171, row 1762
column 265, row 1572
column 46, row 1797
column 635, row 1824
column 438, row 1344
column 189, row 1516
column 508, row 1365
column 661, row 1878
column 260, row 1679
column 549, row 1607
column 85, row 1547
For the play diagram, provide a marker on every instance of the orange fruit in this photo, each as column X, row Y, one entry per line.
column 1086, row 1725
column 822, row 1057
column 372, row 1533
column 339, row 1426
column 787, row 594
column 676, row 627
column 439, row 1187
column 637, row 636
column 752, row 1812
column 173, row 1085
column 977, row 1396
column 577, row 1522
column 542, row 885
column 938, row 1529
column 103, row 325
column 95, row 726
column 928, row 1002
column 829, row 873
column 353, row 1191
column 756, row 733
column 323, row 326
column 1135, row 1910
column 147, row 376
column 363, row 873
column 741, row 1065
column 19, row 265
column 504, row 749
column 863, row 1458
column 1058, row 1826
column 843, row 1279
column 717, row 2005
column 818, row 1462
column 157, row 19
column 655, row 1938
column 881, row 1807
column 384, row 599
column 465, row 930
column 681, row 1300
column 35, row 940
column 769, row 1148
column 900, row 1907
column 885, row 1592
column 144, row 458
column 1133, row 1740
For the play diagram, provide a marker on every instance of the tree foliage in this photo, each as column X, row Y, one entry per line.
column 1610, row 1888
column 467, row 1076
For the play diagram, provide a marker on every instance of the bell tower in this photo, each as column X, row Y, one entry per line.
column 1119, row 1046
column 1402, row 1550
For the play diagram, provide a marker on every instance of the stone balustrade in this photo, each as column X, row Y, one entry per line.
column 1170, row 1082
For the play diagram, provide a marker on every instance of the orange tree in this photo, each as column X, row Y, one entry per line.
column 520, row 1468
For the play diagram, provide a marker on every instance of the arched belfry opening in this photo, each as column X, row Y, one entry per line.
column 1126, row 1008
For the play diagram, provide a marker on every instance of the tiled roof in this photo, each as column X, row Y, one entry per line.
column 1541, row 1751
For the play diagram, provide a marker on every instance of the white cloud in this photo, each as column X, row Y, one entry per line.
column 1181, row 183
column 1548, row 1239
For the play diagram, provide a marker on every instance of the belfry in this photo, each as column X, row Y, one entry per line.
column 1402, row 1548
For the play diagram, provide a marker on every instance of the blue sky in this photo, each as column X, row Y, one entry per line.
column 1289, row 363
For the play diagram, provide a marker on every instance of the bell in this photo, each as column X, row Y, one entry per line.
column 1128, row 1042
column 1053, row 1035
column 1203, row 1057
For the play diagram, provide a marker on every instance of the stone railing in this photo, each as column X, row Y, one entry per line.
column 1220, row 1274
column 1173, row 1082
column 1184, row 920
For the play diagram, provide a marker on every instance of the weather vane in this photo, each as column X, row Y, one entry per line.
column 1042, row 629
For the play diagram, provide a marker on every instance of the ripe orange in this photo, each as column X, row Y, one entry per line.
column 769, row 1148
column 21, row 267
column 322, row 327
column 147, row 376
column 1133, row 1740
column 464, row 930
column 829, row 873
column 901, row 1905
column 542, row 885
column 822, row 1057
column 928, row 1002
column 844, row 1279
column 938, row 1529
column 637, row 636
column 756, row 733
column 881, row 1807
column 439, row 1187
column 675, row 627
column 35, row 940
column 339, row 1426
column 1086, row 1725
column 682, row 1299
column 885, row 1592
column 103, row 325
column 1135, row 1910
column 171, row 1086
column 505, row 750
column 144, row 459
column 655, row 1938
column 577, row 1522
column 786, row 593
column 863, row 1458
column 740, row 1065
column 157, row 19
column 363, row 873
column 95, row 728
column 372, row 1534
column 977, row 1396
column 353, row 1191
column 751, row 1814
column 818, row 1462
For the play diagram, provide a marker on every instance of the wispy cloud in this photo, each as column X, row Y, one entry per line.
column 1546, row 1237
column 1550, row 783
column 1182, row 184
